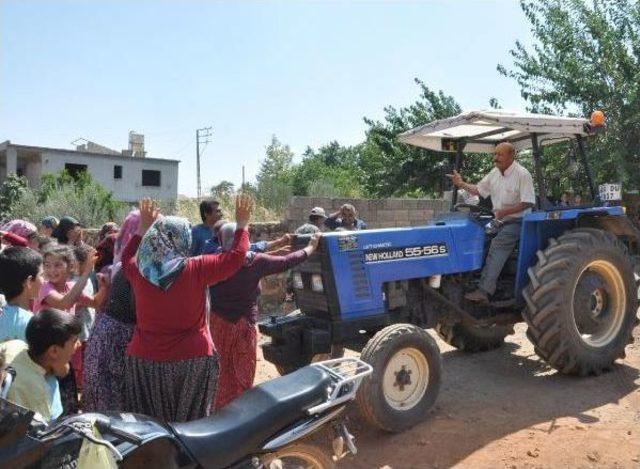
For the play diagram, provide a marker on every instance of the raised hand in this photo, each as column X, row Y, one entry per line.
column 89, row 264
column 456, row 178
column 244, row 208
column 149, row 212
column 315, row 240
column 313, row 243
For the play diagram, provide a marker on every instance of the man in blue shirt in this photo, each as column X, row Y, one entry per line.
column 347, row 218
column 210, row 213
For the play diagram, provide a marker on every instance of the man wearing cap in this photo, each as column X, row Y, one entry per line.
column 347, row 218
column 317, row 216
column 510, row 186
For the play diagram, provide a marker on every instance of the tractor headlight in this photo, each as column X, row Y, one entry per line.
column 297, row 281
column 316, row 283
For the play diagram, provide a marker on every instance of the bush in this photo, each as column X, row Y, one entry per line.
column 60, row 194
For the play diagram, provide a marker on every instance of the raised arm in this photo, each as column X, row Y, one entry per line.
column 277, row 264
column 59, row 301
column 149, row 212
column 457, row 181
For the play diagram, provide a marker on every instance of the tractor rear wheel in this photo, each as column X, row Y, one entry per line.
column 469, row 338
column 407, row 371
column 582, row 301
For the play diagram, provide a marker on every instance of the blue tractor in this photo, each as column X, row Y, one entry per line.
column 571, row 279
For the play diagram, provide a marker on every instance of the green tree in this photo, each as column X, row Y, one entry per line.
column 586, row 56
column 274, row 178
column 223, row 189
column 61, row 194
column 12, row 188
column 331, row 171
column 391, row 168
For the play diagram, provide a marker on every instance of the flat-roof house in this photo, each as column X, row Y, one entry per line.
column 129, row 174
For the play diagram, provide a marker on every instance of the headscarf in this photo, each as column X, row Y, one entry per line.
column 50, row 222
column 164, row 250
column 105, row 251
column 66, row 224
column 226, row 236
column 128, row 229
column 21, row 228
column 107, row 229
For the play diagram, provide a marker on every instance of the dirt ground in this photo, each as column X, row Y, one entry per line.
column 507, row 409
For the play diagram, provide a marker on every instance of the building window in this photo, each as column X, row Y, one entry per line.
column 117, row 172
column 150, row 177
column 74, row 170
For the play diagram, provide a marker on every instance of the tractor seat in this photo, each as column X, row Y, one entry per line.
column 243, row 426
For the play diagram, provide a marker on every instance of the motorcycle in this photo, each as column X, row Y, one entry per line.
column 263, row 428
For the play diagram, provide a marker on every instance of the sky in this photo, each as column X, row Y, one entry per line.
column 305, row 71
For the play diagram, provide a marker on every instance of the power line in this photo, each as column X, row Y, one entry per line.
column 202, row 138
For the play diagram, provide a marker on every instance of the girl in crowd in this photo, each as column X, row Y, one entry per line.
column 234, row 311
column 60, row 292
column 105, row 354
column 171, row 368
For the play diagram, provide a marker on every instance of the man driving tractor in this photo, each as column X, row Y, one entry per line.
column 510, row 186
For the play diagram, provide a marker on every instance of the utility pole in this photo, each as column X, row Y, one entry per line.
column 202, row 138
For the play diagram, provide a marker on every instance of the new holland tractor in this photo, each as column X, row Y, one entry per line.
column 571, row 279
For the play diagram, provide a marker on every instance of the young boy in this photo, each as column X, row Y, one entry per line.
column 52, row 338
column 20, row 282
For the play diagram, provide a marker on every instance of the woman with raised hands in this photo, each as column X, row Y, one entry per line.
column 171, row 369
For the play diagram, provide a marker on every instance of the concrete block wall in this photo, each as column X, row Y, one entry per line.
column 377, row 213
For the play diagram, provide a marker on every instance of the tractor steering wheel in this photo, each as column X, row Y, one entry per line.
column 475, row 209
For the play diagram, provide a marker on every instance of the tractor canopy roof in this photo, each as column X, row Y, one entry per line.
column 482, row 130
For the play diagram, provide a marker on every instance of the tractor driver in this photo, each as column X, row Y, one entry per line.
column 510, row 186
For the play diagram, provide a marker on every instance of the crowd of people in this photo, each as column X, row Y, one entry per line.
column 158, row 318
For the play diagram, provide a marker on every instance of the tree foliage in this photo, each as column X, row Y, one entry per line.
column 61, row 194
column 331, row 171
column 587, row 57
column 391, row 168
column 275, row 176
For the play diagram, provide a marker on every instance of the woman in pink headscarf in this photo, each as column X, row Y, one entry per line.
column 104, row 357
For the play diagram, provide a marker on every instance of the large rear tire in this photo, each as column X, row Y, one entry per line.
column 582, row 302
column 469, row 338
column 407, row 372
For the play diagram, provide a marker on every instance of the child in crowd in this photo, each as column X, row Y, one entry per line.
column 52, row 338
column 61, row 292
column 20, row 282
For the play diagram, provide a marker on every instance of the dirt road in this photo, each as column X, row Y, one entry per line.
column 507, row 409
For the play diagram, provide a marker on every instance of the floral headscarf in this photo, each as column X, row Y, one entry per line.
column 19, row 227
column 164, row 250
column 128, row 229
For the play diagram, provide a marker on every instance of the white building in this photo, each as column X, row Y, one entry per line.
column 129, row 175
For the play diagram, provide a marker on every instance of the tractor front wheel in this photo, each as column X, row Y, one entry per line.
column 582, row 302
column 407, row 372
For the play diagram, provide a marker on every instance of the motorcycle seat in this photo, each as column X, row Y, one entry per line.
column 242, row 427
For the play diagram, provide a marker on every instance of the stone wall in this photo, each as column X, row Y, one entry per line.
column 381, row 213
